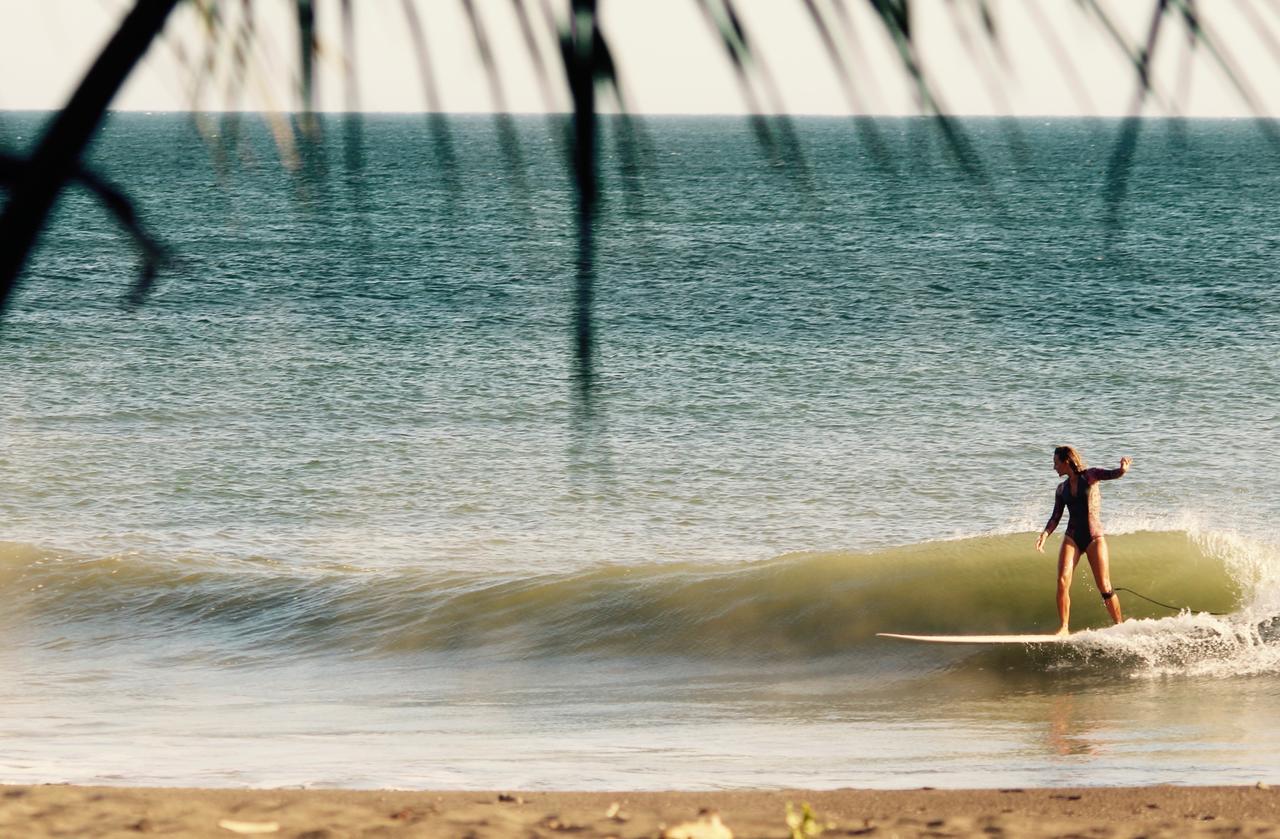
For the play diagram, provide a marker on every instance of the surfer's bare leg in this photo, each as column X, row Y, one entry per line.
column 1068, row 556
column 1100, row 562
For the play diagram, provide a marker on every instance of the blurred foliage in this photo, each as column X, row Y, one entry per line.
column 588, row 73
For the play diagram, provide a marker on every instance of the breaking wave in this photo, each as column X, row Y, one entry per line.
column 798, row 606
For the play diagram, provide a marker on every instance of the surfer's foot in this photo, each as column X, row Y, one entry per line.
column 1062, row 631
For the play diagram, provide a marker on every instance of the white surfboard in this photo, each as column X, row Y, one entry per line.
column 979, row 639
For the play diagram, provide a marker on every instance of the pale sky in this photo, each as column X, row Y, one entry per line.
column 1054, row 59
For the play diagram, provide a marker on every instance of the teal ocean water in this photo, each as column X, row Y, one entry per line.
column 331, row 509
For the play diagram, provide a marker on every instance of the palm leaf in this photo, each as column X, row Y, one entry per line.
column 58, row 152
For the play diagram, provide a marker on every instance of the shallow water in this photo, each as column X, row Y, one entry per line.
column 329, row 509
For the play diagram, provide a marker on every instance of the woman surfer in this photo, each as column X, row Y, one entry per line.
column 1080, row 495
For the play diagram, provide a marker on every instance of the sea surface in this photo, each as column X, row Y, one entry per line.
column 340, row 506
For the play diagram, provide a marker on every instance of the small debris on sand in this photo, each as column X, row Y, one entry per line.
column 249, row 828
column 707, row 826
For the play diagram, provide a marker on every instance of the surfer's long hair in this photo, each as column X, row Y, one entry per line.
column 1071, row 457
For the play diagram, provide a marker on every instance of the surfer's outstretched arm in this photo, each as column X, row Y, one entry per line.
column 1112, row 474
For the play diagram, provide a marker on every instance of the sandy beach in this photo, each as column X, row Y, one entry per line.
column 75, row 811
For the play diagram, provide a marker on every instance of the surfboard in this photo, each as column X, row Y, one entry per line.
column 978, row 639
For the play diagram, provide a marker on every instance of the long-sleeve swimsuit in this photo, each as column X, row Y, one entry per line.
column 1085, row 505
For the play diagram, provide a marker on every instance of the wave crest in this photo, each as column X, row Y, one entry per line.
column 804, row 605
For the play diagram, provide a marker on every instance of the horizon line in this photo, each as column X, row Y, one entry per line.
column 666, row 114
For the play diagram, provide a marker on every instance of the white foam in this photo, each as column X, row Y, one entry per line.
column 1202, row 644
column 1187, row 644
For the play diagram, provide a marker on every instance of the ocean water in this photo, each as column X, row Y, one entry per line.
column 331, row 508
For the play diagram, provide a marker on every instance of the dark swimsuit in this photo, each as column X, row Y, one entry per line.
column 1085, row 506
column 1078, row 522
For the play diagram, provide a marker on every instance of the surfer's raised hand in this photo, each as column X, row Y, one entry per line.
column 1125, row 463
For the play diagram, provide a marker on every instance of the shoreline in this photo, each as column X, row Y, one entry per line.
column 82, row 811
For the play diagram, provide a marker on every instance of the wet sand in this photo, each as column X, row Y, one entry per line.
column 32, row 812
